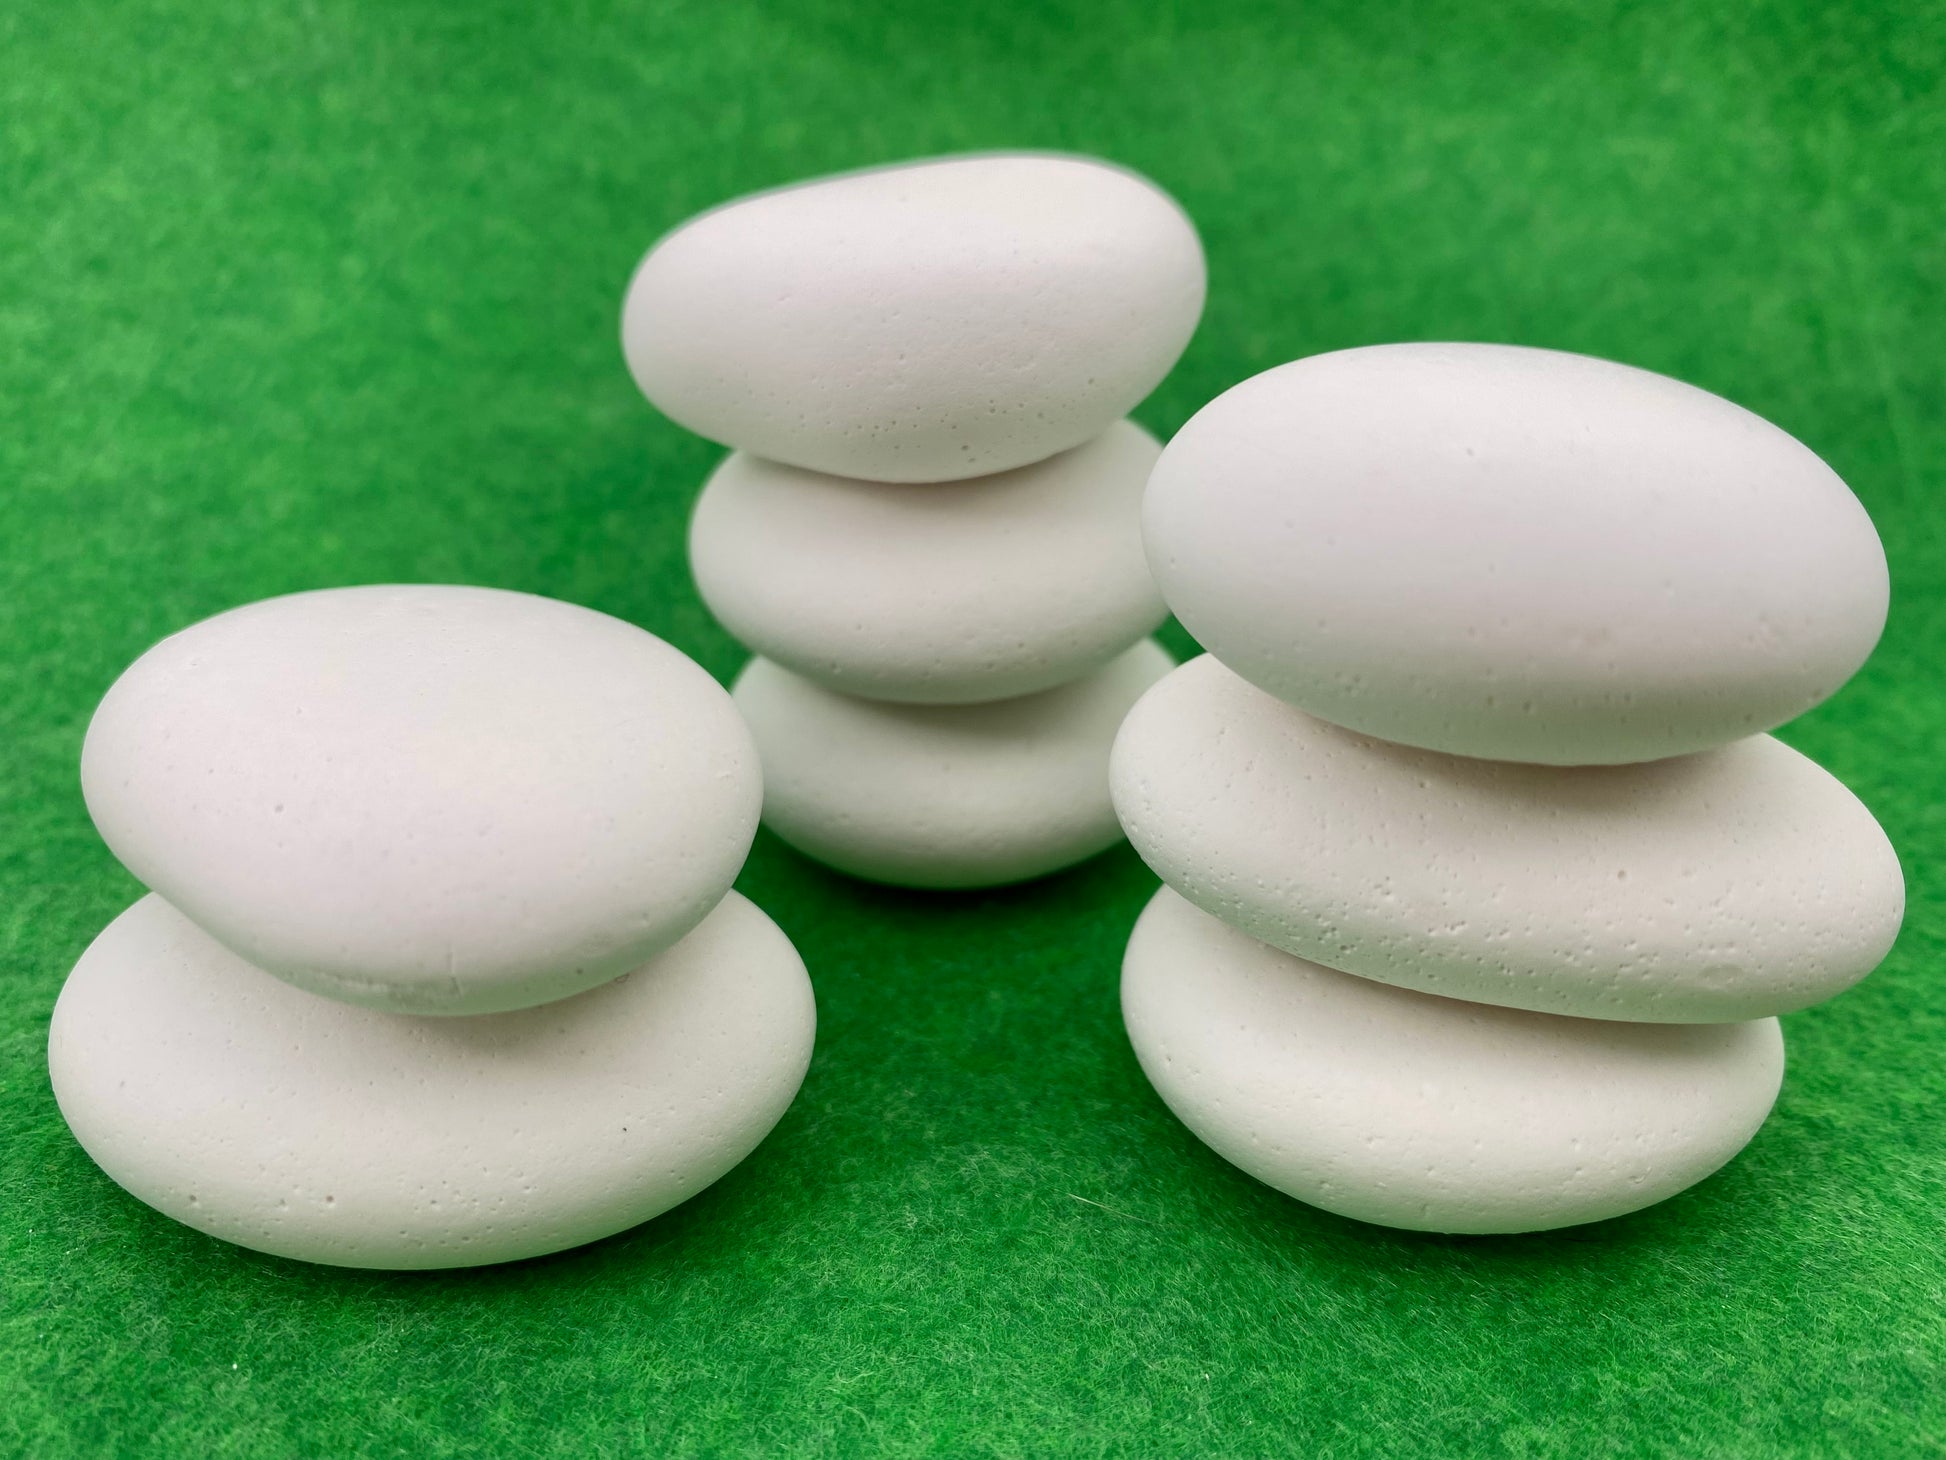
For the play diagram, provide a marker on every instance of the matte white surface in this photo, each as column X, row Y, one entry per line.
column 1724, row 885
column 943, row 795
column 922, row 322
column 1513, row 553
column 1426, row 1113
column 279, row 1120
column 429, row 799
column 963, row 591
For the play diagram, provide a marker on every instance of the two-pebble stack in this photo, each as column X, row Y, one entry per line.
column 440, row 964
column 929, row 528
column 1484, row 885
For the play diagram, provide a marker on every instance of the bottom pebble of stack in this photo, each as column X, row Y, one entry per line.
column 943, row 796
column 297, row 1125
column 1411, row 1110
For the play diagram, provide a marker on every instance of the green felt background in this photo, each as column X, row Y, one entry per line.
column 325, row 292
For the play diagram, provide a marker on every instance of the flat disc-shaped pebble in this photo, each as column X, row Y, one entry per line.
column 922, row 322
column 1723, row 885
column 430, row 799
column 270, row 1117
column 949, row 593
column 1514, row 553
column 1426, row 1113
column 943, row 795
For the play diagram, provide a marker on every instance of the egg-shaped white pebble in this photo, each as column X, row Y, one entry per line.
column 298, row 1125
column 1415, row 1111
column 946, row 594
column 943, row 796
column 1727, row 884
column 920, row 322
column 1514, row 553
column 438, row 800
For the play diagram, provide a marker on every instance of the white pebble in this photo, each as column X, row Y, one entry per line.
column 428, row 799
column 922, row 322
column 961, row 591
column 1724, row 885
column 1514, row 553
column 943, row 795
column 297, row 1125
column 1427, row 1113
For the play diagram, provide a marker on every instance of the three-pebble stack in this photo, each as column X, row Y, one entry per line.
column 929, row 527
column 1484, row 884
column 440, row 964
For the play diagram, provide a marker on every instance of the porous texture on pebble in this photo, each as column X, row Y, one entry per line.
column 957, row 592
column 1723, row 885
column 943, row 795
column 297, row 1125
column 921, row 322
column 1427, row 1113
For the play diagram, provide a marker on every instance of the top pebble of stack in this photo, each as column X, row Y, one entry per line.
column 1513, row 554
column 919, row 323
column 426, row 798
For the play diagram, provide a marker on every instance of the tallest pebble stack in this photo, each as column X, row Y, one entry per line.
column 929, row 528
column 1484, row 884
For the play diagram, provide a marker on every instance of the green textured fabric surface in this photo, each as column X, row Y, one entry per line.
column 296, row 295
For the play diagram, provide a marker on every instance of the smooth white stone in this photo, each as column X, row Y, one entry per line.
column 918, row 323
column 1514, row 553
column 943, row 795
column 1724, row 885
column 1427, row 1113
column 437, row 800
column 963, row 591
column 270, row 1117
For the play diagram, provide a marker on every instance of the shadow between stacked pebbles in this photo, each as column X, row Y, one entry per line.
column 441, row 965
column 1483, row 885
column 929, row 527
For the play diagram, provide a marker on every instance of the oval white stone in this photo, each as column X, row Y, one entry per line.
column 429, row 799
column 943, row 795
column 963, row 591
column 922, row 322
column 1723, row 885
column 270, row 1117
column 1514, row 553
column 1414, row 1111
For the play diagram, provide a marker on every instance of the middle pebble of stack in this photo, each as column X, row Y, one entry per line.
column 1484, row 885
column 930, row 530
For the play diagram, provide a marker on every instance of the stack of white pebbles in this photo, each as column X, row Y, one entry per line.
column 1484, row 885
column 929, row 529
column 440, row 965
